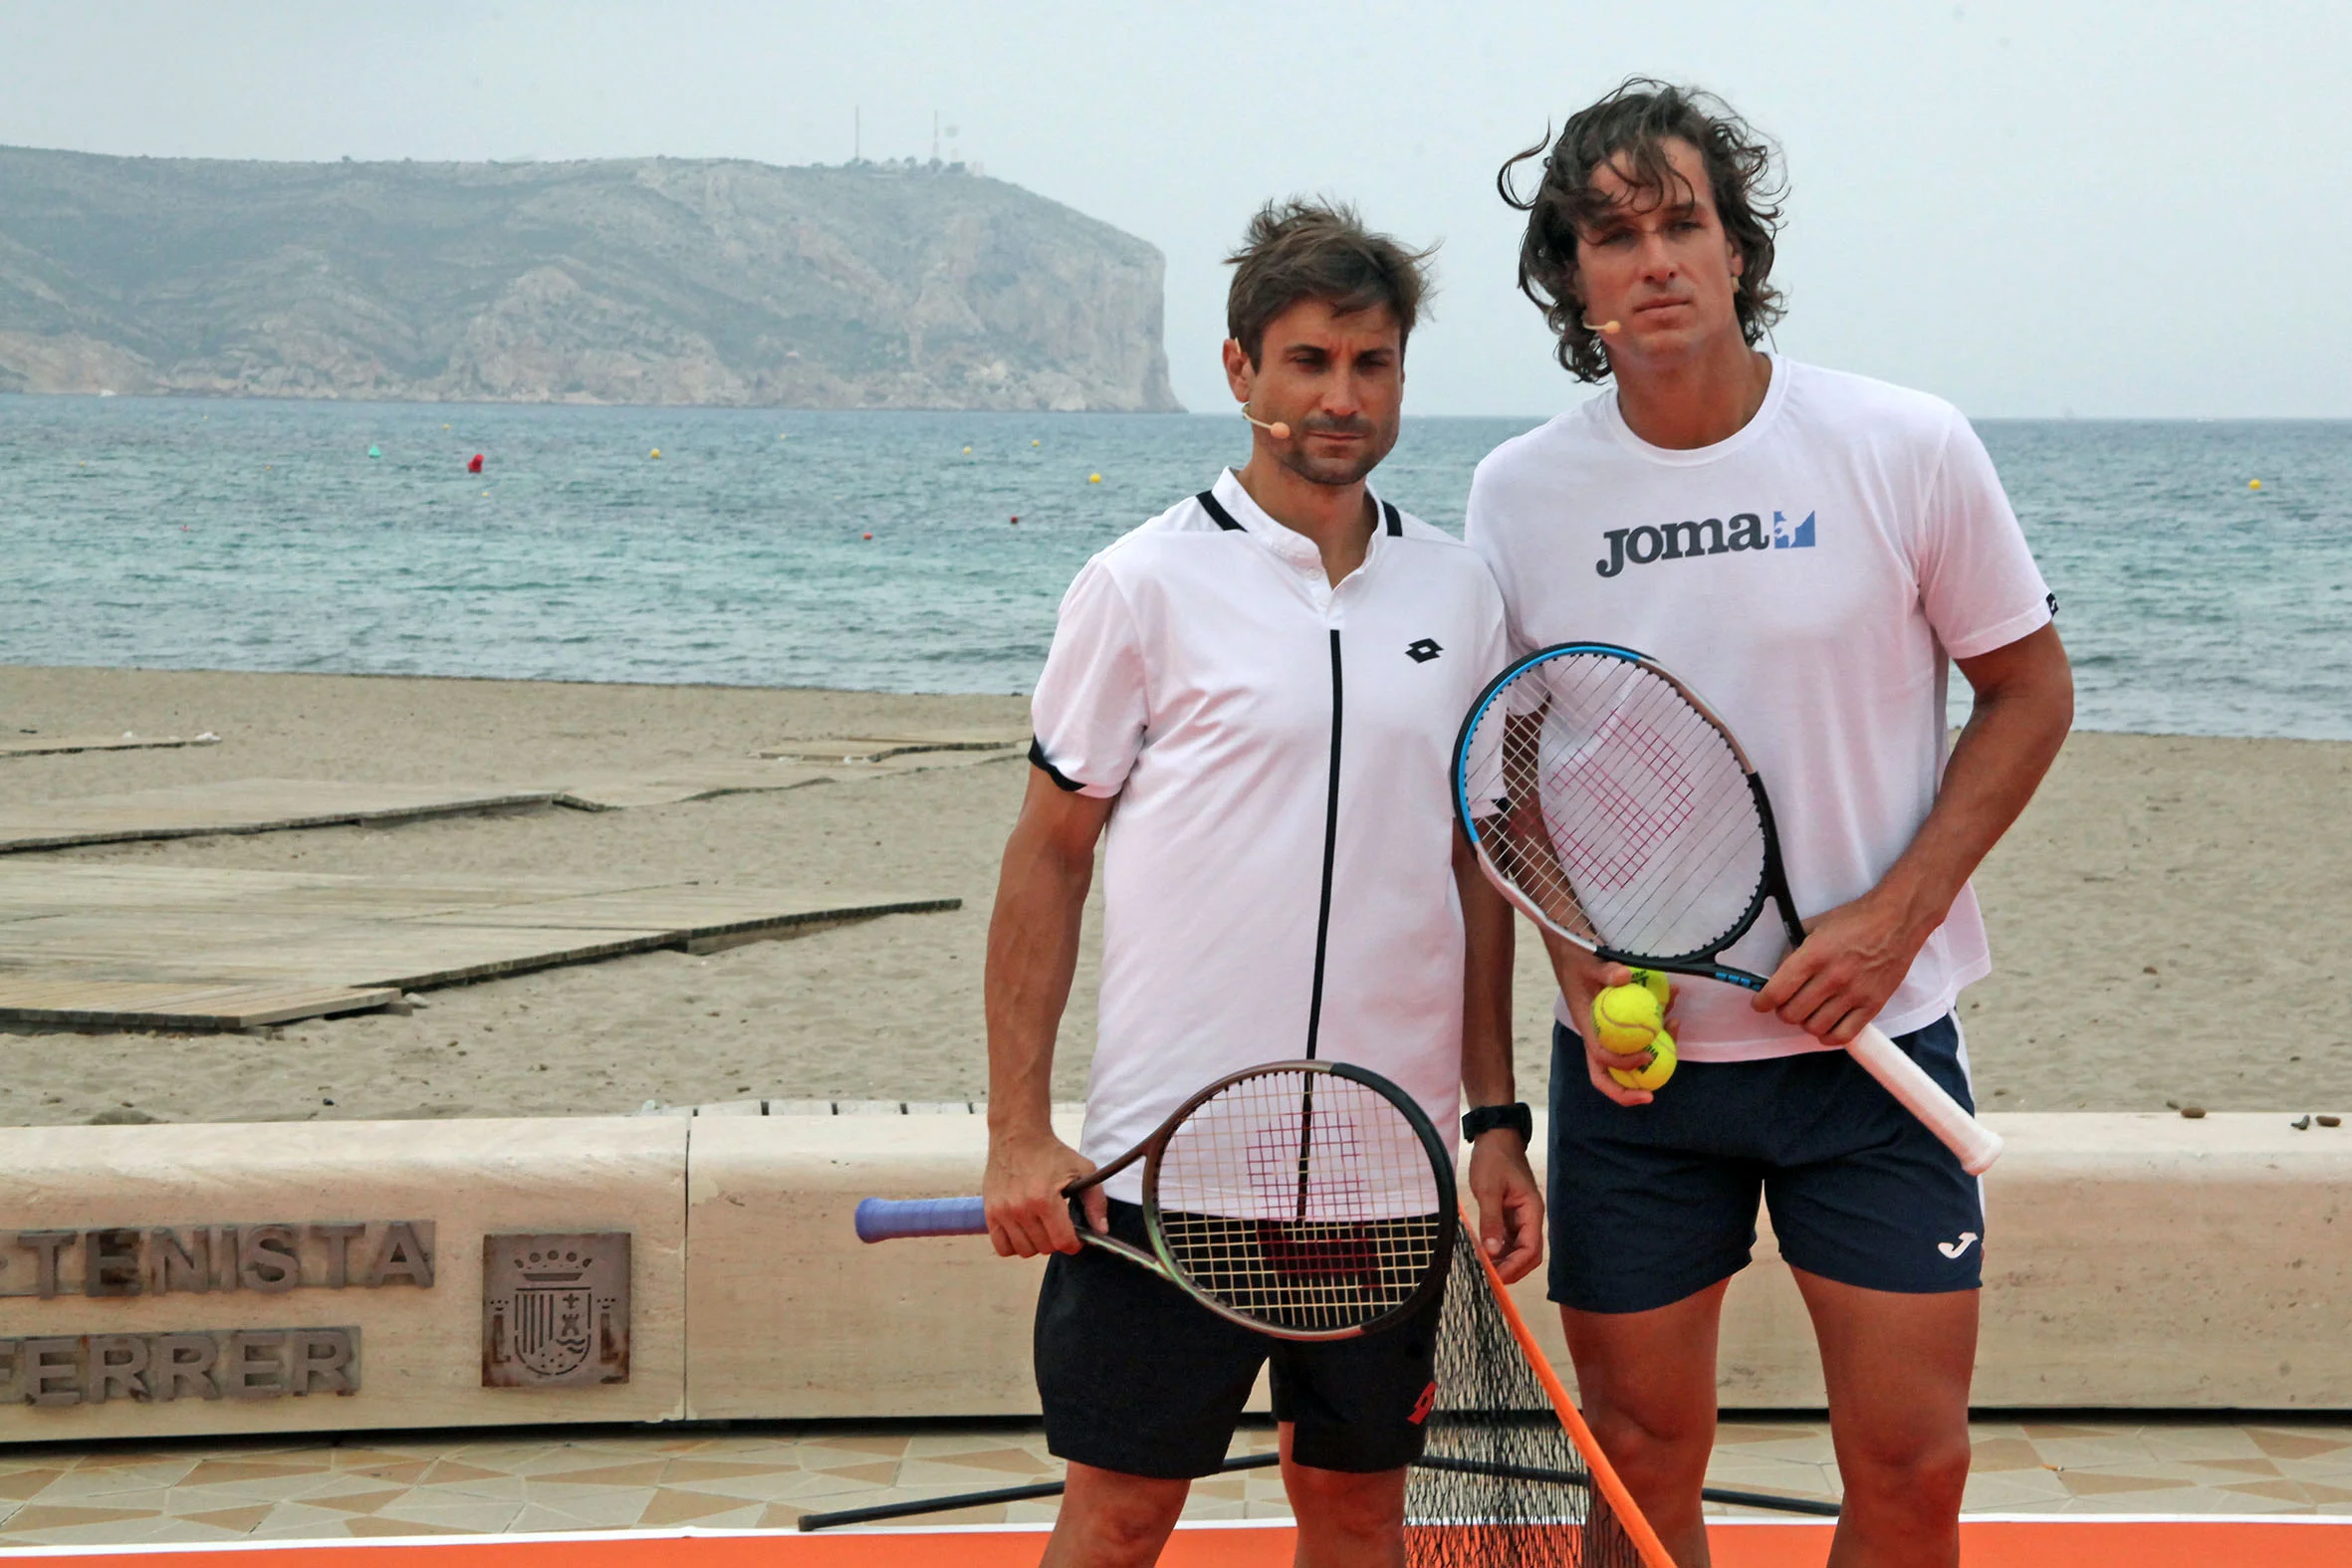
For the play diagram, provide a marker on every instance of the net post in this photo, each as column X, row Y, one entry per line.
column 1635, row 1523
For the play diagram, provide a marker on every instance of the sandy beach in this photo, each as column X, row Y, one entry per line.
column 2166, row 919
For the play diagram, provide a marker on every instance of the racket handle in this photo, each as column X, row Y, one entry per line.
column 1977, row 1144
column 889, row 1218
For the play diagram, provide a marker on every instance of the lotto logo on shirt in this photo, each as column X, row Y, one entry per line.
column 1712, row 536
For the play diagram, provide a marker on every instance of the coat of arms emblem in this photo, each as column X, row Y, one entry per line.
column 554, row 1311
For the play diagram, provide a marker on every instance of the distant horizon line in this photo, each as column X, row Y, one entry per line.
column 1060, row 414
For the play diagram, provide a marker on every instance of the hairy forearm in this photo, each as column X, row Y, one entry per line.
column 1488, row 943
column 1033, row 953
column 2020, row 721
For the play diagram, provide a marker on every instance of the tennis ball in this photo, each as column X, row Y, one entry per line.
column 1660, row 1068
column 1625, row 1018
column 1660, row 986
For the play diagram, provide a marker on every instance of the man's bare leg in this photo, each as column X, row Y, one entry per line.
column 1898, row 1368
column 1647, row 1384
column 1345, row 1519
column 1110, row 1519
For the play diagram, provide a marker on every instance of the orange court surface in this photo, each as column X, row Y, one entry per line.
column 2139, row 1541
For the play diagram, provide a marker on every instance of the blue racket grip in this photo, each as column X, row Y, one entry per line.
column 889, row 1219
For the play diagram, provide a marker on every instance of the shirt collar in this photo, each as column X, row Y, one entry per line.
column 1288, row 543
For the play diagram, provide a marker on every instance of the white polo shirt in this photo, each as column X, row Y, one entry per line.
column 1812, row 577
column 1277, row 877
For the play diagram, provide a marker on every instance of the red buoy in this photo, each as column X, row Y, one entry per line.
column 475, row 467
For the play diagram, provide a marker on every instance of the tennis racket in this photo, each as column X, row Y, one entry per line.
column 1307, row 1199
column 1612, row 805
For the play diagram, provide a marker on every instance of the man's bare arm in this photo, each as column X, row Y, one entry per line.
column 1033, row 953
column 1857, row 954
column 1510, row 1206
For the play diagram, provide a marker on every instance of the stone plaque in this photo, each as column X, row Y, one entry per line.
column 239, row 1364
column 554, row 1311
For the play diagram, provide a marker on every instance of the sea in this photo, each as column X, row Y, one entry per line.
column 926, row 552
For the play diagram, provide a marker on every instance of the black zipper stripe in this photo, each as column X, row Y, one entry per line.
column 1323, row 919
column 1224, row 518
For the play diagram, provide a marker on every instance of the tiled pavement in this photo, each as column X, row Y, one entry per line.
column 767, row 1476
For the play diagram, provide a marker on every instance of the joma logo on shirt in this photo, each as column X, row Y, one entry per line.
column 1713, row 536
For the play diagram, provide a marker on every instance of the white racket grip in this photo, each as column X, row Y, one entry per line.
column 1977, row 1144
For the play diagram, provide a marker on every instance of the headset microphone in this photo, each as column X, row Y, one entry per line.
column 1280, row 430
column 1605, row 329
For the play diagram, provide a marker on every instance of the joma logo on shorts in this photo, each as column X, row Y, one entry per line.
column 1713, row 536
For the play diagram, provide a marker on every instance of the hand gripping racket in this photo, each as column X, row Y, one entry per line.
column 1307, row 1199
column 1613, row 806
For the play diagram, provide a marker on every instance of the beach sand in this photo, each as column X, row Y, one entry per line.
column 2166, row 919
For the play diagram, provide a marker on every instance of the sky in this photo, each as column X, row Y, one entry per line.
column 2035, row 208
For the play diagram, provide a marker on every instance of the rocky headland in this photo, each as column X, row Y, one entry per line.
column 615, row 281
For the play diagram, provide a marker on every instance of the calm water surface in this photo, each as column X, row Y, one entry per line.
column 261, row 535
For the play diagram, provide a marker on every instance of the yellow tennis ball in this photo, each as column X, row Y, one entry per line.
column 1625, row 1018
column 1661, row 1065
column 1660, row 986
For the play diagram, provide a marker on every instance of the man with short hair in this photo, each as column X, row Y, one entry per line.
column 1806, row 548
column 1264, row 680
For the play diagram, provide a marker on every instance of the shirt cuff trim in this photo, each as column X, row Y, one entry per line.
column 2005, row 633
column 1061, row 781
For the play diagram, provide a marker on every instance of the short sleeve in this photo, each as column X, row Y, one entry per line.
column 1091, row 702
column 1481, row 533
column 1978, row 581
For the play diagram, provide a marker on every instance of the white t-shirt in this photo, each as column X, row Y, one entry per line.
column 1807, row 578
column 1205, row 671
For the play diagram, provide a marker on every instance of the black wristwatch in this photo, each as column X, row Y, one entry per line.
column 1487, row 1118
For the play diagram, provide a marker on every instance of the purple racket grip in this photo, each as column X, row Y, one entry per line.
column 889, row 1219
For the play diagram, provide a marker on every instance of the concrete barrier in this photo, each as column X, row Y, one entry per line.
column 790, row 1314
column 175, row 1279
column 2133, row 1261
column 185, row 1280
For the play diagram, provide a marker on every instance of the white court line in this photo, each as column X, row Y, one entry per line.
column 2076, row 1518
column 525, row 1537
column 692, row 1532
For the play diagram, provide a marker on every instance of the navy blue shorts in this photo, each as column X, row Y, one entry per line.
column 1137, row 1377
column 1653, row 1203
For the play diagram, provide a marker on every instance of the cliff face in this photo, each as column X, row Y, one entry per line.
column 641, row 281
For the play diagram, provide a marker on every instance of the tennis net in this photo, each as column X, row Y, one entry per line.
column 1510, row 1476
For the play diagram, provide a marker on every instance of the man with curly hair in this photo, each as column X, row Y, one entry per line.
column 1809, row 550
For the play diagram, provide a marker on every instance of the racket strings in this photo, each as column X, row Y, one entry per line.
column 1677, row 844
column 1622, row 813
column 1630, row 773
column 1674, row 851
column 1303, row 1201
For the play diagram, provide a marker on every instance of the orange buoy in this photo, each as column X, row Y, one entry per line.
column 475, row 467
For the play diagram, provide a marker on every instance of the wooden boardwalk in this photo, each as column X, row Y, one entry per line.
column 243, row 805
column 152, row 947
column 34, row 744
column 934, row 744
column 265, row 805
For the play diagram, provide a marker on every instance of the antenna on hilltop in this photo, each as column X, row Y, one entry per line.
column 934, row 135
column 858, row 135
